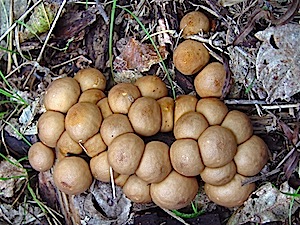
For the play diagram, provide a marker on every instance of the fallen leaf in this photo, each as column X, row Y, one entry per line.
column 277, row 62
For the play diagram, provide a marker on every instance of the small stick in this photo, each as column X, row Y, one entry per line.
column 112, row 182
column 175, row 217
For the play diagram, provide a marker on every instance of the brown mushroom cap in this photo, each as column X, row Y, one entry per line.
column 231, row 194
column 72, row 175
column 190, row 125
column 90, row 78
column 174, row 192
column 137, row 190
column 213, row 109
column 217, row 146
column 185, row 157
column 184, row 104
column 121, row 179
column 104, row 107
column 121, row 96
column 193, row 23
column 94, row 145
column 145, row 116
column 51, row 125
column 91, row 95
column 67, row 145
column 152, row 86
column 100, row 167
column 239, row 124
column 220, row 175
column 167, row 113
column 251, row 156
column 113, row 126
column 190, row 57
column 125, row 153
column 62, row 94
column 41, row 157
column 155, row 164
column 210, row 81
column 83, row 121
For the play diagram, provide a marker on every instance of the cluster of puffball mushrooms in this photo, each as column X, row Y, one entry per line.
column 211, row 141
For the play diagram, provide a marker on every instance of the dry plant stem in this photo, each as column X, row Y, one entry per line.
column 51, row 29
column 289, row 154
column 21, row 18
column 111, row 173
column 71, row 60
column 261, row 177
column 10, row 45
column 175, row 217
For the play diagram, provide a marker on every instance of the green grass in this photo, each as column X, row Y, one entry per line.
column 293, row 195
column 111, row 34
column 195, row 213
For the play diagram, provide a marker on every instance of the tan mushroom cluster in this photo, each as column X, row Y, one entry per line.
column 210, row 141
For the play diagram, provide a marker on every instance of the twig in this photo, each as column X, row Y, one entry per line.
column 175, row 217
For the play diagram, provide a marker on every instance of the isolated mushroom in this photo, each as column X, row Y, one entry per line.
column 190, row 57
column 210, row 81
column 155, row 164
column 175, row 191
column 104, row 107
column 83, row 120
column 239, row 124
column 67, row 145
column 190, row 125
column 113, row 126
column 137, row 190
column 217, row 146
column 62, row 94
column 193, row 23
column 185, row 157
column 125, row 153
column 41, row 157
column 213, row 109
column 184, row 104
column 251, row 156
column 220, row 175
column 100, row 167
column 94, row 145
column 72, row 175
column 167, row 113
column 152, row 86
column 91, row 95
column 51, row 125
column 90, row 78
column 121, row 96
column 231, row 194
column 145, row 116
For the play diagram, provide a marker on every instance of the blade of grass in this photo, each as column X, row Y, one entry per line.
column 11, row 162
column 155, row 47
column 188, row 215
column 13, row 177
column 7, row 50
column 110, row 42
column 18, row 133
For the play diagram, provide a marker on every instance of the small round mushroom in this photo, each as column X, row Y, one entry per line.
column 94, row 145
column 91, row 95
column 90, row 78
column 220, row 175
column 113, row 126
column 83, row 120
column 231, row 194
column 137, row 190
column 152, row 86
column 251, row 156
column 210, row 81
column 67, row 145
column 72, row 175
column 125, row 153
column 155, row 164
column 213, row 109
column 104, row 107
column 62, row 94
column 167, row 113
column 121, row 179
column 100, row 167
column 41, row 157
column 193, row 23
column 190, row 125
column 145, row 116
column 51, row 125
column 174, row 192
column 121, row 96
column 184, row 104
column 239, row 124
column 185, row 157
column 190, row 57
column 217, row 146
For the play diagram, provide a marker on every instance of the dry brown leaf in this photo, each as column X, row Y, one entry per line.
column 277, row 62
